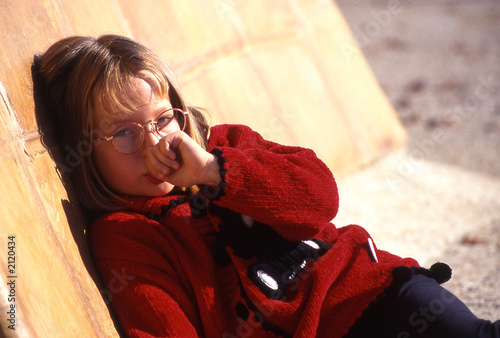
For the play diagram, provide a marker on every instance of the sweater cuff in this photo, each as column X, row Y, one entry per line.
column 216, row 192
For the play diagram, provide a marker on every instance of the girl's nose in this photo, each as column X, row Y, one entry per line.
column 150, row 139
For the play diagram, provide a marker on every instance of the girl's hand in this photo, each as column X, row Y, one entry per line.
column 179, row 160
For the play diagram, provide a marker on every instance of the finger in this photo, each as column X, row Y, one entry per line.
column 156, row 168
column 165, row 148
column 167, row 160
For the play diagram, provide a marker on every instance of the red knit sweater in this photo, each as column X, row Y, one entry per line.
column 173, row 267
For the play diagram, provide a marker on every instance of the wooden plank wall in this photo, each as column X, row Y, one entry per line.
column 289, row 69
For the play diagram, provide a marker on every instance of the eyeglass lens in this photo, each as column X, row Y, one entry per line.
column 128, row 138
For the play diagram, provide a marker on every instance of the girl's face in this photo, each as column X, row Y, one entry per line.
column 127, row 173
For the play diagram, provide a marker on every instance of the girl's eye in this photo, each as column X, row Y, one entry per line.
column 163, row 121
column 124, row 132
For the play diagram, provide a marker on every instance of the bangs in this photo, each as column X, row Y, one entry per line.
column 117, row 95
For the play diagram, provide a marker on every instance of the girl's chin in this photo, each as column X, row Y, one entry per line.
column 147, row 189
column 163, row 189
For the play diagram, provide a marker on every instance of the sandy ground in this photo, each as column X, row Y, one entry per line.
column 437, row 199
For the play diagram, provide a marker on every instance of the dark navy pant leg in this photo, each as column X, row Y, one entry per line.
column 422, row 308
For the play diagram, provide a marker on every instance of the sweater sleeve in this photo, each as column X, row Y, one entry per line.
column 148, row 295
column 286, row 187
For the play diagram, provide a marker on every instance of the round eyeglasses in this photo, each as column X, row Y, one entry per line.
column 129, row 137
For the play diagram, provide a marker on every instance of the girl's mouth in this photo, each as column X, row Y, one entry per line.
column 153, row 179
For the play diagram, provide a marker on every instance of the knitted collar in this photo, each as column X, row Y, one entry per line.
column 154, row 207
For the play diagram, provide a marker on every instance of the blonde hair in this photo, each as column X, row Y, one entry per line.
column 80, row 79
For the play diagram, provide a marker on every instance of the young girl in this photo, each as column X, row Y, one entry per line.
column 217, row 232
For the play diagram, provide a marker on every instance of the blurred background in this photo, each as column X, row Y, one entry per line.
column 439, row 64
